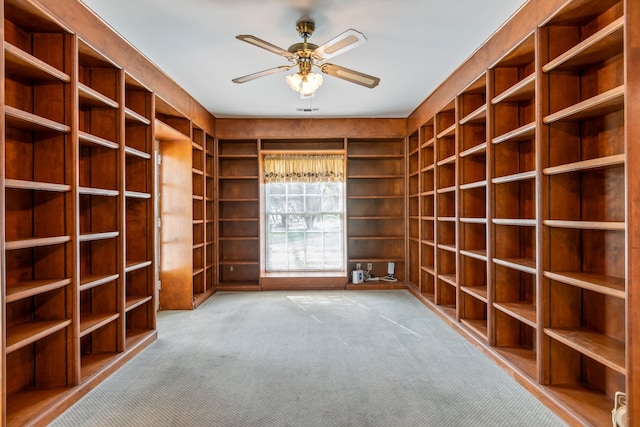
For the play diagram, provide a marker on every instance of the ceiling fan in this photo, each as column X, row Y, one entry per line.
column 307, row 55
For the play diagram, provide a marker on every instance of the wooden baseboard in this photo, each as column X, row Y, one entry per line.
column 538, row 390
column 287, row 282
column 59, row 406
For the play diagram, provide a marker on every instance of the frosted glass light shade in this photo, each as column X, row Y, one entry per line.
column 305, row 85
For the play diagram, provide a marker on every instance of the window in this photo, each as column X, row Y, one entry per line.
column 304, row 208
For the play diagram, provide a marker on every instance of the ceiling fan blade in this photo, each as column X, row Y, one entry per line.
column 340, row 44
column 266, row 45
column 254, row 76
column 350, row 75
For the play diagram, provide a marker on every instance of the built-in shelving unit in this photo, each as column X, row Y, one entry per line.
column 139, row 295
column 210, row 233
column 376, row 205
column 473, row 292
column 427, row 210
column 534, row 152
column 584, row 216
column 238, row 214
column 414, row 195
column 39, row 219
column 78, row 295
column 100, row 290
column 514, row 228
column 446, row 210
column 183, row 204
column 203, row 281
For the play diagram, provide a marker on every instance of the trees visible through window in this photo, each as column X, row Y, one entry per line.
column 304, row 220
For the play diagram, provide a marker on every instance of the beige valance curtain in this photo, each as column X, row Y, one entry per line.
column 303, row 168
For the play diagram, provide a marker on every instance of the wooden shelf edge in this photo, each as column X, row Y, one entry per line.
column 587, row 225
column 599, row 347
column 476, row 149
column 95, row 98
column 98, row 236
column 515, row 177
column 525, row 265
column 449, row 131
column 134, row 302
column 136, row 265
column 165, row 132
column 523, row 132
column 473, row 185
column 133, row 116
column 30, row 332
column 92, row 281
column 602, row 40
column 25, row 61
column 520, row 91
column 20, row 184
column 603, row 103
column 103, row 192
column 26, row 289
column 477, row 254
column 478, row 115
column 585, row 165
column 92, row 322
column 450, row 279
column 607, row 285
column 35, row 242
column 87, row 138
column 477, row 292
column 136, row 195
column 471, row 220
column 525, row 313
column 136, row 153
column 25, row 120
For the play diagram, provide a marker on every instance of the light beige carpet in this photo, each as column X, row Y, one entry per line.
column 308, row 358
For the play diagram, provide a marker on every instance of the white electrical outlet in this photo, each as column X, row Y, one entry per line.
column 391, row 267
column 358, row 266
column 369, row 266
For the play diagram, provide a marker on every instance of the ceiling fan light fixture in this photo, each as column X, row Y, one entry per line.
column 306, row 85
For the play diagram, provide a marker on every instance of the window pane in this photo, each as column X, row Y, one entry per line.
column 304, row 226
column 276, row 203
column 295, row 204
column 277, row 188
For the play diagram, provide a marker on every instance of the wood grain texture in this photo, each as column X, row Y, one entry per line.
column 632, row 112
column 310, row 128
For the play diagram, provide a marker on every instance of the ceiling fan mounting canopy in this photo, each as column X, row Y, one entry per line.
column 307, row 55
column 305, row 27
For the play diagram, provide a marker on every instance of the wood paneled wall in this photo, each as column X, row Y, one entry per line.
column 310, row 128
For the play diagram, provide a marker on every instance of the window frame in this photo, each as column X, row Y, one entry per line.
column 264, row 215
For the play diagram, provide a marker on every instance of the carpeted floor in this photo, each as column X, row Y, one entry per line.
column 308, row 358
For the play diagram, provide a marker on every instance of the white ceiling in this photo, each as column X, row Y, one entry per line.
column 413, row 45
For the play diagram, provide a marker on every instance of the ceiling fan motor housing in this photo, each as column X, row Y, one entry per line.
column 305, row 27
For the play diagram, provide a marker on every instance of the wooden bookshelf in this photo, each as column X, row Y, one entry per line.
column 540, row 226
column 39, row 218
column 238, row 218
column 414, row 194
column 584, row 219
column 446, row 209
column 140, row 300
column 427, row 210
column 375, row 204
column 473, row 291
